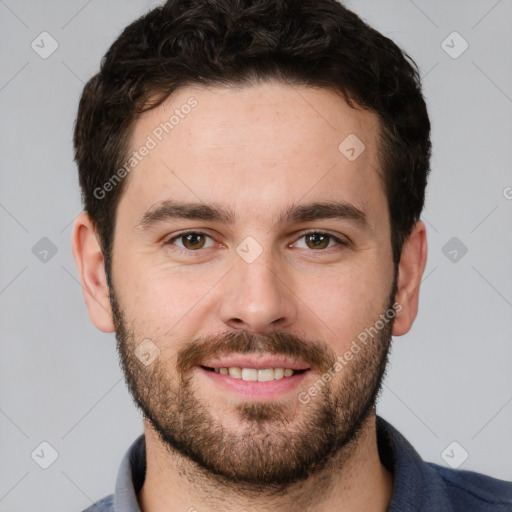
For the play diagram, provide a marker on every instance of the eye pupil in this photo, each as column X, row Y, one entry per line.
column 318, row 240
column 193, row 241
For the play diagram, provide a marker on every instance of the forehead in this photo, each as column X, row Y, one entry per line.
column 255, row 147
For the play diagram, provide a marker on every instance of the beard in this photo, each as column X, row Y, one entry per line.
column 274, row 443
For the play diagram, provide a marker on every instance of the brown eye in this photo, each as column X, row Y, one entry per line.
column 317, row 240
column 191, row 241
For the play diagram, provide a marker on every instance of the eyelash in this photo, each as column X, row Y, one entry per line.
column 170, row 241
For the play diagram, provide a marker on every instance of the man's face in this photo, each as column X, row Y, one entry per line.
column 257, row 287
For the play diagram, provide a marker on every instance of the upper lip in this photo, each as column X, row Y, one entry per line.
column 256, row 361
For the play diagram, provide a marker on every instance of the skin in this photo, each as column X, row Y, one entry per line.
column 255, row 150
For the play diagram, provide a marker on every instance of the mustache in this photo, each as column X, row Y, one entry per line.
column 316, row 354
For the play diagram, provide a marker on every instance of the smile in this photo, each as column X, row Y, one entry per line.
column 255, row 374
column 243, row 380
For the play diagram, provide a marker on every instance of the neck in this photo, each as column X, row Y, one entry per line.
column 353, row 480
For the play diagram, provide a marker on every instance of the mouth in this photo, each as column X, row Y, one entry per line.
column 255, row 374
column 255, row 377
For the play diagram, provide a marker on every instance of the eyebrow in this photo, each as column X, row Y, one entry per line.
column 171, row 210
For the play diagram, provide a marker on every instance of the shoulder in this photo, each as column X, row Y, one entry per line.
column 106, row 504
column 427, row 486
column 468, row 490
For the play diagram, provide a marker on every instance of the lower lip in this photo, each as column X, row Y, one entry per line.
column 253, row 389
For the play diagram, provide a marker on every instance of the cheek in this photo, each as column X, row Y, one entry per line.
column 344, row 304
column 160, row 297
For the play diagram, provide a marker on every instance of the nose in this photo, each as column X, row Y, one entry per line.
column 256, row 296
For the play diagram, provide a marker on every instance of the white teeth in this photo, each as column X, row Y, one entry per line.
column 254, row 374
column 235, row 372
column 278, row 373
column 249, row 374
column 265, row 374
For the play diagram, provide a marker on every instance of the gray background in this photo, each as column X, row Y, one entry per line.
column 449, row 378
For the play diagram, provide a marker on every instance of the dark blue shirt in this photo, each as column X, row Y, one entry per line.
column 418, row 486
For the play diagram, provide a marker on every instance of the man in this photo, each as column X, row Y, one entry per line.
column 253, row 174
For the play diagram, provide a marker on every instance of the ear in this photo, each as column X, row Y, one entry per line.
column 410, row 271
column 91, row 267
